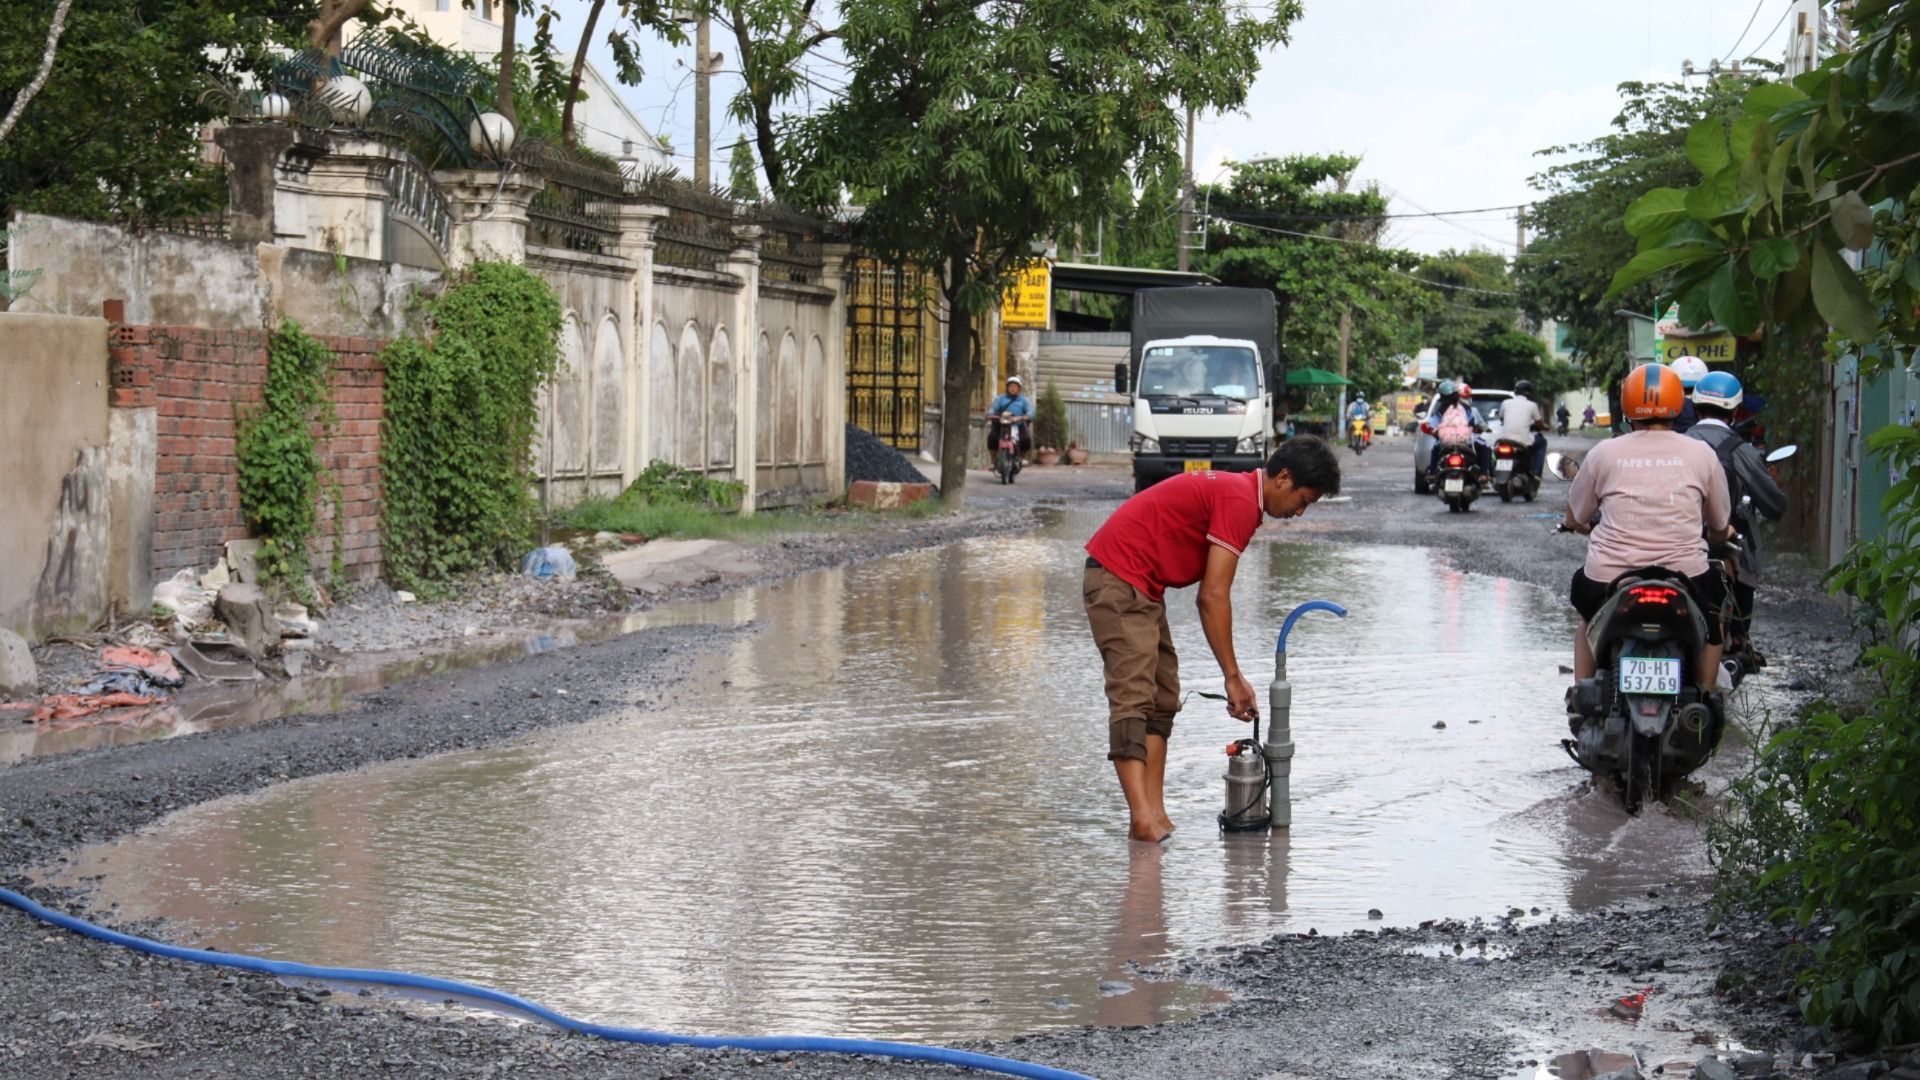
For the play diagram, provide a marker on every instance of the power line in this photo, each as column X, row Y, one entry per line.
column 1743, row 32
column 1775, row 30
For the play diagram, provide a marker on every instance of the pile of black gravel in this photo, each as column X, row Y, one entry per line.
column 870, row 459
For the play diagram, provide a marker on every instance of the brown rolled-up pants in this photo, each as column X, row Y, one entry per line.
column 1143, row 674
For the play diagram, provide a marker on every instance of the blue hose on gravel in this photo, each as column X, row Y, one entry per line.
column 768, row 1044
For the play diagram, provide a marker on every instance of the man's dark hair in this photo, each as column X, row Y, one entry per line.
column 1714, row 412
column 1310, row 461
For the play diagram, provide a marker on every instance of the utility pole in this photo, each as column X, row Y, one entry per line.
column 1346, row 335
column 1186, row 195
column 703, row 103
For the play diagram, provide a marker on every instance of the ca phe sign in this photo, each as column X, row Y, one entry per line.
column 1028, row 302
column 1714, row 348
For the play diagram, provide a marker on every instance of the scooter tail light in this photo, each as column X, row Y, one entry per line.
column 1456, row 460
column 1505, row 451
column 1654, row 594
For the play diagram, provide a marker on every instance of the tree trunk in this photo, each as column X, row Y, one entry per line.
column 503, row 93
column 956, row 399
column 579, row 69
column 325, row 32
column 20, row 100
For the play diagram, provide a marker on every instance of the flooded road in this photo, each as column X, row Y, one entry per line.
column 889, row 813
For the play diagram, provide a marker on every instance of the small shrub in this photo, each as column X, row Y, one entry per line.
column 663, row 481
column 1050, row 418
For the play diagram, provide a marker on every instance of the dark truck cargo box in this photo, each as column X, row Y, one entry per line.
column 1215, row 310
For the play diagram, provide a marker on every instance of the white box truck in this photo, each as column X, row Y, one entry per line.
column 1202, row 368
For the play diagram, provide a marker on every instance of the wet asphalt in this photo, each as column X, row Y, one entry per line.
column 1361, row 1005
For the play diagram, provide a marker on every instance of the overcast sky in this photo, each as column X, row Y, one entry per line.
column 1446, row 101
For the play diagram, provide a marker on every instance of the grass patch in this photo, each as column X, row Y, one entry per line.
column 658, row 520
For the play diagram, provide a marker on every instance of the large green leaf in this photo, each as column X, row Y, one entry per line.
column 1716, row 196
column 1707, row 146
column 1648, row 263
column 1853, row 221
column 1735, row 301
column 1745, row 131
column 1656, row 211
column 1773, row 256
column 1841, row 296
column 1768, row 98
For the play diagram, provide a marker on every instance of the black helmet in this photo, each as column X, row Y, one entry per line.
column 1524, row 388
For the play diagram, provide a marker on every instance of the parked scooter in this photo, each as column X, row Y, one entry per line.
column 1642, row 720
column 1455, row 477
column 1513, row 471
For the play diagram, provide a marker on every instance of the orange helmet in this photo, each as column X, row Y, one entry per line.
column 1652, row 392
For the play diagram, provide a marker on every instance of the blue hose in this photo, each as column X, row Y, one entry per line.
column 1294, row 617
column 771, row 1044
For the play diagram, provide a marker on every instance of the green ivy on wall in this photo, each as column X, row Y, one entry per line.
column 279, row 455
column 456, row 445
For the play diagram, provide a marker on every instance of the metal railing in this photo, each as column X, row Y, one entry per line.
column 577, row 209
column 698, row 230
column 414, row 196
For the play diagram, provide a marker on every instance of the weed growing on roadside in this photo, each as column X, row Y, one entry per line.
column 278, row 455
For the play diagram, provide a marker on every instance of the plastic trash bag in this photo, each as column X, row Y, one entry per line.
column 549, row 562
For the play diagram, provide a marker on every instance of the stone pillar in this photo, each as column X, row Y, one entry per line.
column 835, row 260
column 132, row 459
column 489, row 213
column 744, row 264
column 638, row 224
column 346, row 199
column 252, row 151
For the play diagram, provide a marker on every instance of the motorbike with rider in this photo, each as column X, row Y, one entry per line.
column 1751, row 490
column 1359, row 427
column 1520, row 454
column 1646, row 706
column 1011, row 414
column 1455, row 423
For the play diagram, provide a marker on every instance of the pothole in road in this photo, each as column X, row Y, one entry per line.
column 889, row 813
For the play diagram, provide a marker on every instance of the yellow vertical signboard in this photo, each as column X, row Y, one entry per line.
column 1028, row 302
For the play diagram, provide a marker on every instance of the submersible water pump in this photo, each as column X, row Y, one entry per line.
column 1259, row 775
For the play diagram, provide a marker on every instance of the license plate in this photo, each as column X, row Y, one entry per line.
column 1503, row 465
column 1649, row 675
column 1456, row 485
column 1199, row 466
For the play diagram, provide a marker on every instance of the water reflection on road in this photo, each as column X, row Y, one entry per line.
column 889, row 812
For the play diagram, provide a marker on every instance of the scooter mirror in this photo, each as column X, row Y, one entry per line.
column 1563, row 466
column 1783, row 453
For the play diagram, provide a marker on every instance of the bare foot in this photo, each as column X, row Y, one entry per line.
column 1166, row 825
column 1149, row 834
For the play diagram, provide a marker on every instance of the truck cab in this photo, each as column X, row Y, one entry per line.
column 1200, row 402
column 1203, row 361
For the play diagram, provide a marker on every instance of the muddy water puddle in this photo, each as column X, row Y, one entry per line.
column 888, row 812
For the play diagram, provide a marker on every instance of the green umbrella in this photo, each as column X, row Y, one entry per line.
column 1314, row 376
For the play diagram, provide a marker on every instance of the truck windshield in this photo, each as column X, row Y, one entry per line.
column 1198, row 371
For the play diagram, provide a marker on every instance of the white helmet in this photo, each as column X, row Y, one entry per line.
column 1015, row 380
column 1691, row 370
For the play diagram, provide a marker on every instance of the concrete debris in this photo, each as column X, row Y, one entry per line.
column 295, row 621
column 19, row 677
column 192, row 605
column 204, row 661
column 248, row 614
column 295, row 662
column 402, row 596
column 1712, row 1068
column 243, row 561
column 113, row 1041
column 1596, row 1064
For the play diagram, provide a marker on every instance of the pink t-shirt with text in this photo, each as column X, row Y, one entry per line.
column 1655, row 491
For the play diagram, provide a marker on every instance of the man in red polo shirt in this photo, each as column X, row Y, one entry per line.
column 1191, row 528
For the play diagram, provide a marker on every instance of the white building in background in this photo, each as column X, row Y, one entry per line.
column 605, row 123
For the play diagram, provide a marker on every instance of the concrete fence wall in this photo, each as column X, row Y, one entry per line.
column 712, row 369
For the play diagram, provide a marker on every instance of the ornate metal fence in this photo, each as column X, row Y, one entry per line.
column 698, row 230
column 415, row 200
column 577, row 210
column 790, row 246
column 892, row 341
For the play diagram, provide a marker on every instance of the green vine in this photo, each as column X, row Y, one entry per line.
column 279, row 453
column 455, row 447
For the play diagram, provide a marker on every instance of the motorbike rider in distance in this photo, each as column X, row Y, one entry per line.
column 1691, row 370
column 1716, row 398
column 1454, row 422
column 1658, row 497
column 1519, row 418
column 1011, row 403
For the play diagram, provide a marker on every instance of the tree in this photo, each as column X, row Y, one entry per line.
column 772, row 37
column 1801, row 174
column 1295, row 227
column 741, row 183
column 974, row 128
column 1474, row 321
column 1577, row 241
column 55, row 27
column 503, row 92
column 327, row 31
column 114, row 131
column 629, row 16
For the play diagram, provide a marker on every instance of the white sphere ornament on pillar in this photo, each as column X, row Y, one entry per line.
column 348, row 95
column 275, row 106
column 491, row 135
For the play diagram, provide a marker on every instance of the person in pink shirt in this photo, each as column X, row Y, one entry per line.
column 1652, row 497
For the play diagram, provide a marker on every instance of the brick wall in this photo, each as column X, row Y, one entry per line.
column 194, row 378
